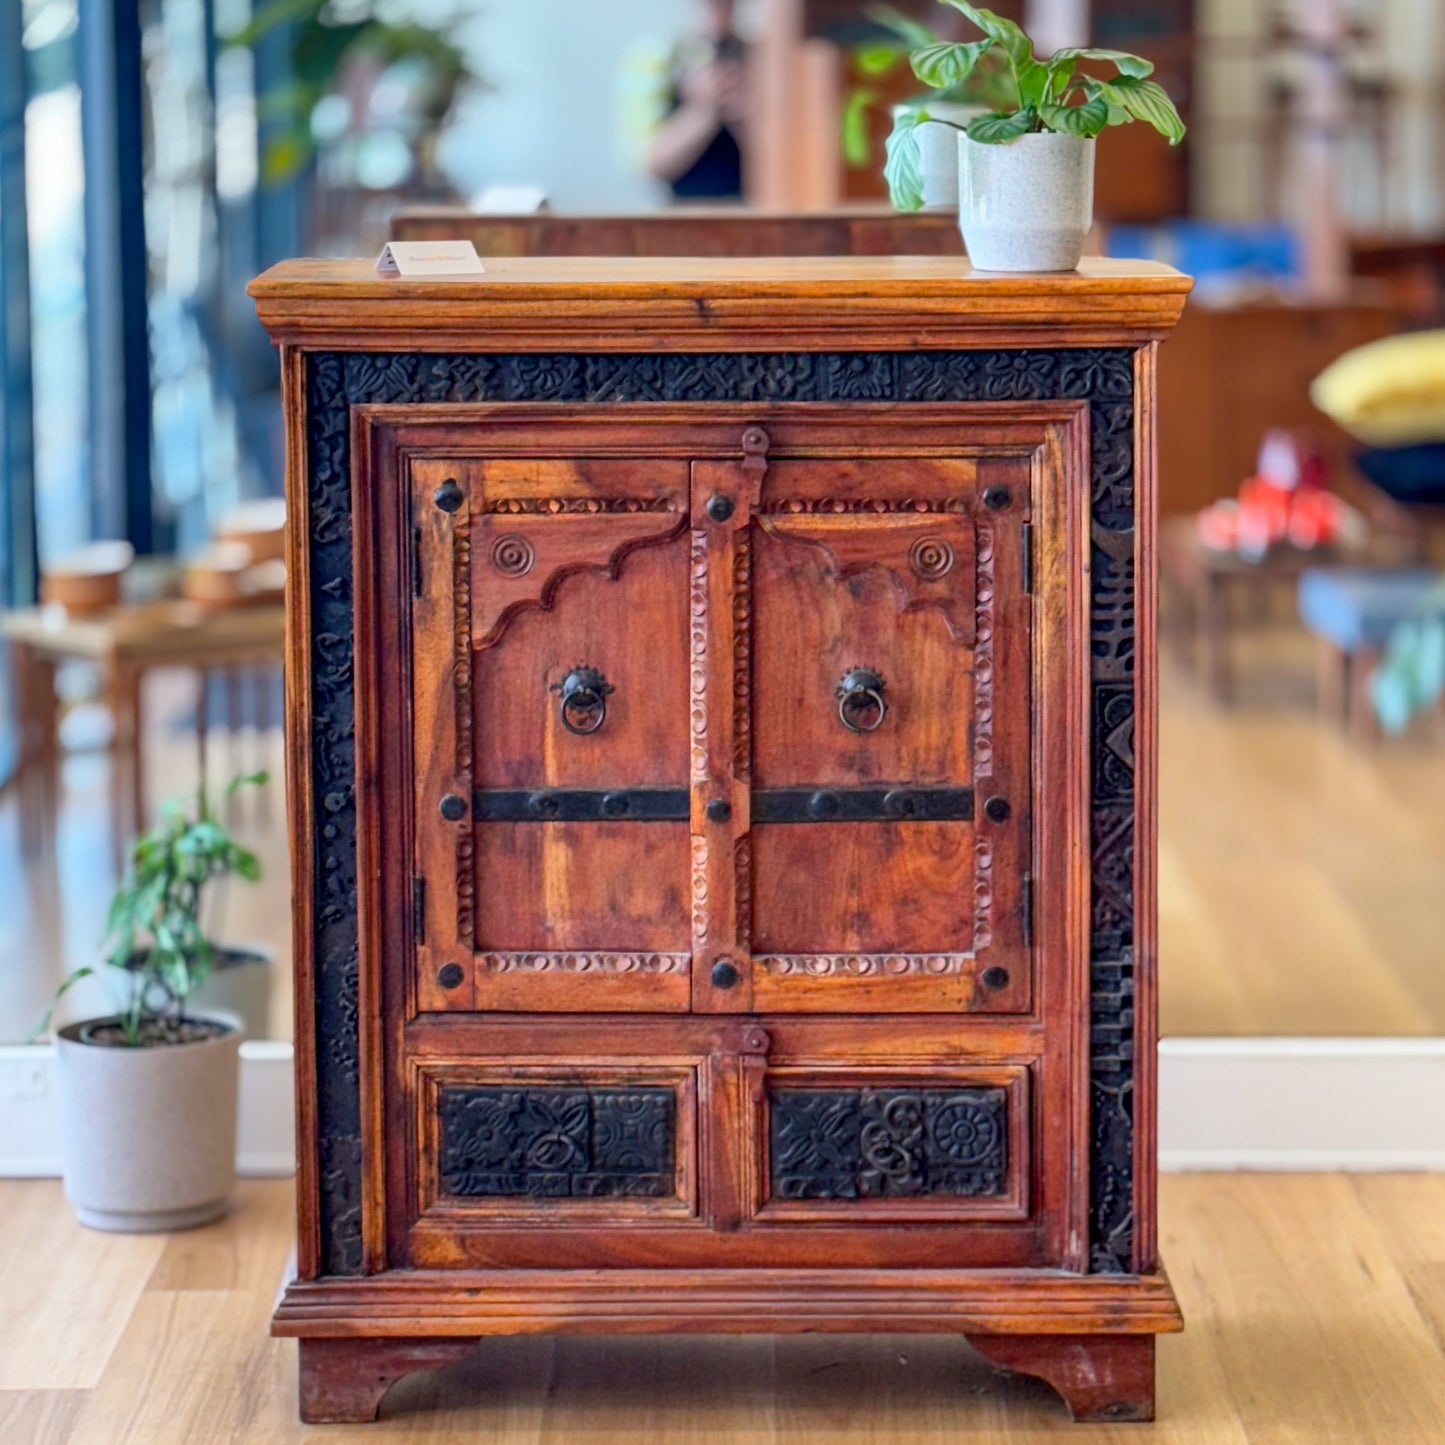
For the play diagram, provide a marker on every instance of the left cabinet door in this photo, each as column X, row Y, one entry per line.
column 550, row 716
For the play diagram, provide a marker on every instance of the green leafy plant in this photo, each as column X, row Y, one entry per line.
column 154, row 937
column 988, row 84
column 326, row 36
column 1048, row 95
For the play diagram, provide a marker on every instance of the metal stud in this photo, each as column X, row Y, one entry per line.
column 719, row 810
column 996, row 498
column 995, row 977
column 449, row 975
column 454, row 807
column 449, row 496
column 719, row 508
column 996, row 810
column 724, row 974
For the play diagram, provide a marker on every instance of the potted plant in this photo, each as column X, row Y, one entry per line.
column 147, row 1095
column 1026, row 169
column 941, row 113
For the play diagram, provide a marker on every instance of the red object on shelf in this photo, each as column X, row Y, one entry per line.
column 1286, row 501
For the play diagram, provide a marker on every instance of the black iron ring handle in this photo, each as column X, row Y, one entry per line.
column 584, row 700
column 860, row 696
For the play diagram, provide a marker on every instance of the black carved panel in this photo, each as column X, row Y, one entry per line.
column 1101, row 375
column 888, row 1143
column 550, row 1143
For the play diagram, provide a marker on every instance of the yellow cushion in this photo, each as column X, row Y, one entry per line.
column 1390, row 393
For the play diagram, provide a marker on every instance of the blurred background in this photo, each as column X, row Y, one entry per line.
column 156, row 154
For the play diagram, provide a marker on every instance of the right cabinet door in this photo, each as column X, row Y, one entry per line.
column 891, row 803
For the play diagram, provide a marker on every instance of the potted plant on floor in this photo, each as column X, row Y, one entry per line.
column 147, row 1095
column 1026, row 169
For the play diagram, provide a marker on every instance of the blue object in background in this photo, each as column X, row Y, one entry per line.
column 1408, row 474
column 1216, row 254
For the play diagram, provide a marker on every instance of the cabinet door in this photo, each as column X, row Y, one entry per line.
column 881, row 633
column 554, row 765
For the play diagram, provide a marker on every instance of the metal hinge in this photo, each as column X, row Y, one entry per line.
column 1028, row 556
column 1026, row 906
column 416, row 561
column 418, row 907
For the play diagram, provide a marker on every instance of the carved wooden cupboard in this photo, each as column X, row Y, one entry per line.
column 722, row 792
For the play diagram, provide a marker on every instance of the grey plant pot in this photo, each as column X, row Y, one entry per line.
column 148, row 1136
column 1027, row 204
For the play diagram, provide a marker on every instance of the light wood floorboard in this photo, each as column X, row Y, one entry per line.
column 1315, row 1307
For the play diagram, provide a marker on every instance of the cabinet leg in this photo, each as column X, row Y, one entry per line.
column 343, row 1381
column 1101, row 1377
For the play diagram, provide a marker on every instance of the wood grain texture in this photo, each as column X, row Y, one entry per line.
column 675, row 304
column 689, row 231
column 723, row 563
column 1337, row 1347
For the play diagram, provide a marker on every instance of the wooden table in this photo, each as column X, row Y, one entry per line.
column 1205, row 581
column 124, row 643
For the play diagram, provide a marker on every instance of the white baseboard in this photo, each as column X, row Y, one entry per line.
column 1302, row 1104
column 1261, row 1104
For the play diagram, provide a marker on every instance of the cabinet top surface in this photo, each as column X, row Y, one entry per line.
column 637, row 303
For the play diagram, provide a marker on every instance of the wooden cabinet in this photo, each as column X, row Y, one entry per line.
column 722, row 783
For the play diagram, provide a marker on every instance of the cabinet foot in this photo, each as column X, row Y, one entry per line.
column 343, row 1381
column 1101, row 1377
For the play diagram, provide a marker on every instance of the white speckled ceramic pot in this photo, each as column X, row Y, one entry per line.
column 1027, row 204
column 148, row 1135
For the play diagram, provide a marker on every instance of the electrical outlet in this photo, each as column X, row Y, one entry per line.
column 24, row 1080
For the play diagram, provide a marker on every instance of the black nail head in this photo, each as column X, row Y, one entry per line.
column 719, row 810
column 995, row 977
column 449, row 495
column 724, row 975
column 997, row 498
column 996, row 810
column 454, row 808
column 720, row 508
column 449, row 975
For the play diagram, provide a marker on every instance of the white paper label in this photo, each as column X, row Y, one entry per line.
column 429, row 258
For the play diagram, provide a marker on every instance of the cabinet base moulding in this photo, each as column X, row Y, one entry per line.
column 727, row 1301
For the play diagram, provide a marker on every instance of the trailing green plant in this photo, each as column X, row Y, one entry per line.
column 1048, row 95
column 154, row 937
column 988, row 84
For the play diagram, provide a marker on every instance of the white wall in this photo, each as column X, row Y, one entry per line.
column 553, row 115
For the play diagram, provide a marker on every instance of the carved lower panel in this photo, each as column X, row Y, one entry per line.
column 573, row 963
column 336, row 381
column 557, row 1143
column 864, row 965
column 888, row 1143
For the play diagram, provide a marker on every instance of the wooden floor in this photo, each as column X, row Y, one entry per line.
column 1315, row 1306
column 1299, row 877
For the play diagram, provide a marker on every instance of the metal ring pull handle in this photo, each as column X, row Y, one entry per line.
column 584, row 700
column 861, row 708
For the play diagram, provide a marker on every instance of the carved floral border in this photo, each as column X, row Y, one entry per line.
column 336, row 381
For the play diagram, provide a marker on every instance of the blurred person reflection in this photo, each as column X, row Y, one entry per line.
column 697, row 145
